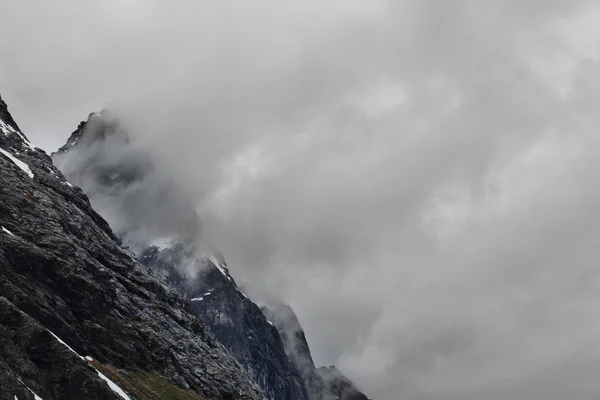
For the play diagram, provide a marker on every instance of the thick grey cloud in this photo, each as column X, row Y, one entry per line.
column 417, row 178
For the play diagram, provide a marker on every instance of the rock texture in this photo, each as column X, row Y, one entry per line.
column 63, row 272
column 121, row 180
column 325, row 383
column 234, row 319
column 338, row 385
column 100, row 157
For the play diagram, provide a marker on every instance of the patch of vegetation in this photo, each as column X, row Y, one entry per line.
column 145, row 385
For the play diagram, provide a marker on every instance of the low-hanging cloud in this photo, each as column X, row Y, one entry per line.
column 417, row 178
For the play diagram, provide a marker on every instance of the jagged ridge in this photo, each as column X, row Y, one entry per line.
column 276, row 356
column 63, row 270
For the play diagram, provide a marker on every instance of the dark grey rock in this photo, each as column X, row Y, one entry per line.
column 339, row 385
column 63, row 269
column 233, row 318
column 100, row 156
column 325, row 383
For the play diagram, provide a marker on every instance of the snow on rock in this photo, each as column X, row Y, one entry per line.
column 197, row 299
column 219, row 266
column 7, row 129
column 64, row 344
column 113, row 386
column 7, row 231
column 35, row 396
column 66, row 183
column 18, row 162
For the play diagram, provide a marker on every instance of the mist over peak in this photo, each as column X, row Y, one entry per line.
column 418, row 179
column 137, row 197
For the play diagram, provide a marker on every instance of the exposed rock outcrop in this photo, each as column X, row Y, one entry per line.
column 325, row 383
column 114, row 173
column 64, row 274
column 126, row 186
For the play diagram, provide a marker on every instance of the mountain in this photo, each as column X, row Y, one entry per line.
column 153, row 217
column 234, row 319
column 324, row 383
column 101, row 158
column 81, row 317
column 339, row 385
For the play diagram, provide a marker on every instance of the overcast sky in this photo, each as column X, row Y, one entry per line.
column 419, row 178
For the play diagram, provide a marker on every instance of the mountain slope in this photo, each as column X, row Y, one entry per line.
column 324, row 383
column 64, row 274
column 152, row 216
column 100, row 157
column 234, row 319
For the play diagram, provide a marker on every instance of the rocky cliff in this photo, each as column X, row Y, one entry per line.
column 152, row 216
column 80, row 317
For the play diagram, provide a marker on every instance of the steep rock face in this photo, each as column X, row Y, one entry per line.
column 100, row 157
column 296, row 347
column 325, row 383
column 64, row 274
column 233, row 318
column 338, row 385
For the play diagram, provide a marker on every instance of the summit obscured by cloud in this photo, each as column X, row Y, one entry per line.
column 418, row 179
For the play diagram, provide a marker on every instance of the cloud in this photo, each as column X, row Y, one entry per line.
column 417, row 178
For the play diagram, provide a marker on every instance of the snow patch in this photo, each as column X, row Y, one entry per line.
column 56, row 176
column 35, row 396
column 7, row 231
column 113, row 386
column 7, row 129
column 18, row 162
column 64, row 344
column 197, row 299
column 219, row 266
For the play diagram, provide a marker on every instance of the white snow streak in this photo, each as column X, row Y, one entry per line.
column 113, row 386
column 18, row 162
column 35, row 396
column 219, row 266
column 7, row 129
column 64, row 344
column 56, row 176
column 7, row 231
column 197, row 299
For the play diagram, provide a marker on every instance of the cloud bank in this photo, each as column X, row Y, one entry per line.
column 419, row 179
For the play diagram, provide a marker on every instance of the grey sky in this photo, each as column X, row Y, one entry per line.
column 419, row 179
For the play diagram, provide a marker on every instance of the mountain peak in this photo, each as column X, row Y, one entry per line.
column 82, row 318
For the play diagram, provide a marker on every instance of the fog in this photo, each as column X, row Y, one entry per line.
column 418, row 179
